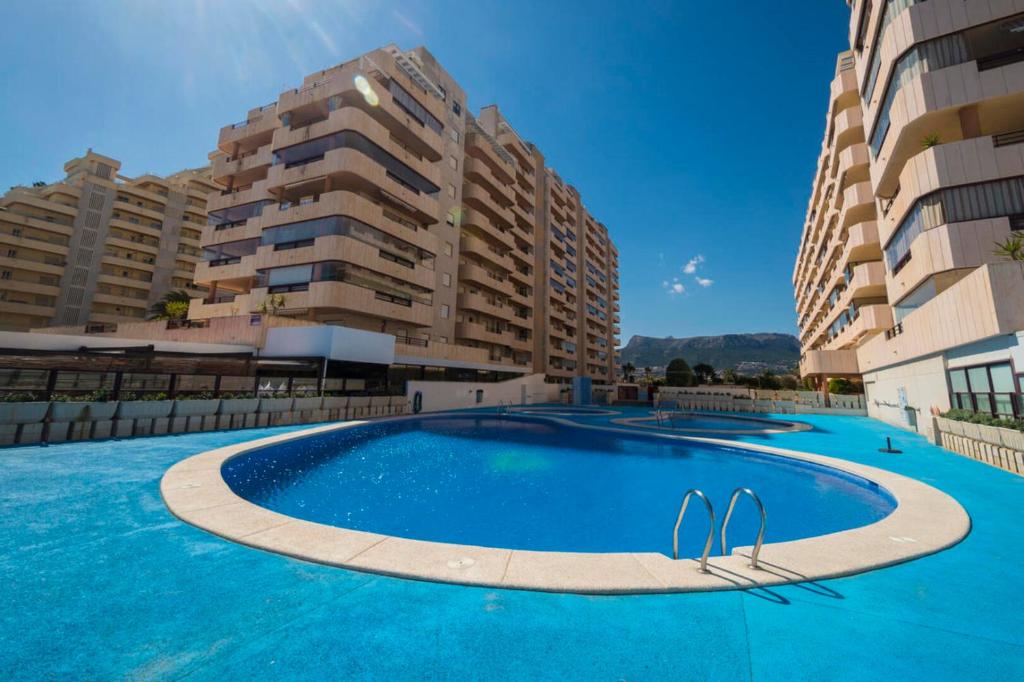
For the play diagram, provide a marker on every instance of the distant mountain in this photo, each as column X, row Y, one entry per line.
column 748, row 353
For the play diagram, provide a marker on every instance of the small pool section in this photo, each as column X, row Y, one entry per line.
column 699, row 423
column 563, row 411
column 533, row 484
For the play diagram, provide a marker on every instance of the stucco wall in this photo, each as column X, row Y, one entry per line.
column 453, row 395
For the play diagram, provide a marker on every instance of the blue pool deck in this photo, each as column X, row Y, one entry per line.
column 99, row 581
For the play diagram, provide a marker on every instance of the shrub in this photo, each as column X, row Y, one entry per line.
column 984, row 419
column 6, row 397
column 842, row 387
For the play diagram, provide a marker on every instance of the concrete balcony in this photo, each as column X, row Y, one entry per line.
column 829, row 363
column 488, row 279
column 484, row 251
column 982, row 305
column 478, row 332
column 488, row 305
column 480, row 173
column 228, row 198
column 242, row 170
column 858, row 205
column 480, row 148
column 252, row 133
column 332, row 297
column 357, row 120
column 951, row 165
column 421, row 139
column 479, row 199
column 871, row 319
column 436, row 350
column 340, row 203
column 931, row 102
column 357, row 171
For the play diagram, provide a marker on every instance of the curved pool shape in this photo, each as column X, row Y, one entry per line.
column 703, row 423
column 532, row 484
column 564, row 411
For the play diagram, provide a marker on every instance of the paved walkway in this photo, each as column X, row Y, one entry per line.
column 99, row 581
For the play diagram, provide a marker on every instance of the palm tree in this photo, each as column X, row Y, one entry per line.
column 627, row 372
column 648, row 373
column 173, row 306
column 1012, row 248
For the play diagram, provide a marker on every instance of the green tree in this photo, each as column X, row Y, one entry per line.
column 1012, row 248
column 173, row 306
column 648, row 375
column 704, row 372
column 729, row 376
column 271, row 304
column 842, row 386
column 678, row 373
column 768, row 380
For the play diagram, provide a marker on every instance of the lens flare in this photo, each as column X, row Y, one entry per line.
column 363, row 86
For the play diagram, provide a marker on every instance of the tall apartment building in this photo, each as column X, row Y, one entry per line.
column 97, row 247
column 898, row 280
column 371, row 198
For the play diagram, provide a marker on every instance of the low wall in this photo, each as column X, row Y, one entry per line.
column 1003, row 448
column 438, row 396
column 58, row 422
column 743, row 399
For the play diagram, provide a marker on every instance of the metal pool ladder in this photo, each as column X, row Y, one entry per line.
column 728, row 515
column 711, row 528
column 503, row 408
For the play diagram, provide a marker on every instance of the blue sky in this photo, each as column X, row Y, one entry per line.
column 690, row 128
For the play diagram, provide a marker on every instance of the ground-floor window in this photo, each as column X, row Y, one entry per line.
column 991, row 389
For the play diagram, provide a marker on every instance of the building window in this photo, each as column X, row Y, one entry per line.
column 445, row 311
column 450, row 218
column 456, row 108
column 990, row 389
column 451, row 190
column 454, row 134
column 448, row 249
column 446, row 279
column 453, row 162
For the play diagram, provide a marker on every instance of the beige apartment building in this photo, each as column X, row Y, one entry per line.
column 96, row 247
column 921, row 173
column 370, row 198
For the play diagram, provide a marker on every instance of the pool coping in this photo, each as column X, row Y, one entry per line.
column 925, row 520
column 790, row 426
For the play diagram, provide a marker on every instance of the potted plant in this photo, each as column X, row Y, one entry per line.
column 22, row 408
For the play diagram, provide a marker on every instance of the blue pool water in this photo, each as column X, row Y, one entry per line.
column 703, row 422
column 532, row 484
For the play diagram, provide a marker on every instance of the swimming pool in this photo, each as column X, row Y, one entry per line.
column 480, row 499
column 536, row 485
column 562, row 410
column 703, row 423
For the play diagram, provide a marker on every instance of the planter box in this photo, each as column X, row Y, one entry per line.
column 239, row 405
column 196, row 408
column 307, row 404
column 1012, row 438
column 93, row 412
column 23, row 413
column 275, row 404
column 144, row 409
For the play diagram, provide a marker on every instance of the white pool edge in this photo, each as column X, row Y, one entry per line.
column 925, row 521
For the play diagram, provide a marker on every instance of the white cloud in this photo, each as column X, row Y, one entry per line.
column 674, row 287
column 704, row 282
column 691, row 265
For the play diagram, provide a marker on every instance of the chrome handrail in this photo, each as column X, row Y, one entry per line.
column 711, row 529
column 760, row 532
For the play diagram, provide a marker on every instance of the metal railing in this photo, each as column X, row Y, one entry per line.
column 760, row 532
column 711, row 528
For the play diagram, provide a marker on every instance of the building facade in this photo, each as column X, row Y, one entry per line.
column 371, row 198
column 898, row 279
column 96, row 247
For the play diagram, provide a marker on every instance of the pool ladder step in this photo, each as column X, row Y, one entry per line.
column 725, row 524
